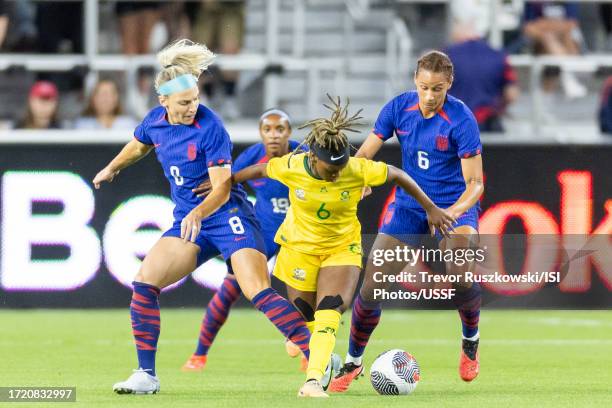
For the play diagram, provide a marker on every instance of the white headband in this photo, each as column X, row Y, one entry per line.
column 278, row 112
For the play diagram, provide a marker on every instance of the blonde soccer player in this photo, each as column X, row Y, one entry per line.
column 320, row 239
column 192, row 145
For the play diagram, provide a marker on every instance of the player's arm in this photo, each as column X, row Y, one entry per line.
column 437, row 217
column 370, row 147
column 474, row 185
column 221, row 186
column 255, row 171
column 248, row 173
column 130, row 154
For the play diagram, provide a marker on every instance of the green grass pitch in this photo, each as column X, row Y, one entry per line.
column 528, row 359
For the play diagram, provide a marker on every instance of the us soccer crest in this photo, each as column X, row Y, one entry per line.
column 299, row 274
column 299, row 193
column 442, row 143
column 192, row 151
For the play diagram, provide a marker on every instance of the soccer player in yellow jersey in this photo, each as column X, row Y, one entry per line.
column 320, row 239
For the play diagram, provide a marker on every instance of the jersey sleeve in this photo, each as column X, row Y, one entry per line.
column 242, row 161
column 277, row 169
column 140, row 134
column 466, row 137
column 217, row 147
column 385, row 124
column 374, row 173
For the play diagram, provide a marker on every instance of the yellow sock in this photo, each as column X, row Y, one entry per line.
column 322, row 342
column 311, row 326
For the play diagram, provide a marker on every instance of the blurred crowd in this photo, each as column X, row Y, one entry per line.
column 484, row 79
column 140, row 27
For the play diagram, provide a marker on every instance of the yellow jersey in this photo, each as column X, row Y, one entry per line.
column 322, row 217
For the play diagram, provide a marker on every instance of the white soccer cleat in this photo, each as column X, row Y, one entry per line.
column 140, row 382
column 312, row 389
column 333, row 367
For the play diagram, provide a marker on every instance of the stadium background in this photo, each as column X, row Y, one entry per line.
column 64, row 245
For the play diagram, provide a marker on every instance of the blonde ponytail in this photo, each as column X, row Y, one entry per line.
column 182, row 57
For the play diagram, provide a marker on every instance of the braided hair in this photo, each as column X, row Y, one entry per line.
column 329, row 133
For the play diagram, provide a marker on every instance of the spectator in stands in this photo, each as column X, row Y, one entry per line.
column 104, row 109
column 483, row 79
column 136, row 22
column 4, row 21
column 605, row 110
column 60, row 27
column 179, row 16
column 41, row 112
column 553, row 27
column 219, row 25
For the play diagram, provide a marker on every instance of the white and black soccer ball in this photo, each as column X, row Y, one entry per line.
column 395, row 372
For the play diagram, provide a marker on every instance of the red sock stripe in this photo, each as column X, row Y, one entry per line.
column 150, row 321
column 145, row 311
column 232, row 290
column 282, row 320
column 141, row 299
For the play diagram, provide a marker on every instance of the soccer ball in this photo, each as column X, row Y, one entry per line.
column 395, row 372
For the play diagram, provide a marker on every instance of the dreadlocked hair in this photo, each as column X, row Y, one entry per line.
column 329, row 133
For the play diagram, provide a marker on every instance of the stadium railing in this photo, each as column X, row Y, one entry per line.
column 399, row 57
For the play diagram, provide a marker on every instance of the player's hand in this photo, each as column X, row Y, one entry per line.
column 105, row 174
column 440, row 219
column 203, row 189
column 366, row 191
column 190, row 226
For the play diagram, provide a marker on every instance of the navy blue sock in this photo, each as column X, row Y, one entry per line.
column 144, row 310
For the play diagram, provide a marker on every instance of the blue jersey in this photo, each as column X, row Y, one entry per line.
column 432, row 148
column 185, row 154
column 272, row 196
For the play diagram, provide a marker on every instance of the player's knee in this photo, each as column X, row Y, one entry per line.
column 367, row 294
column 251, row 289
column 332, row 303
column 304, row 308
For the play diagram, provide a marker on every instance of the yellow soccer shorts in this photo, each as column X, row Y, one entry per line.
column 301, row 271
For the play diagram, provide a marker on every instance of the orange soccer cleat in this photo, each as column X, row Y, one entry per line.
column 469, row 362
column 292, row 349
column 342, row 381
column 194, row 364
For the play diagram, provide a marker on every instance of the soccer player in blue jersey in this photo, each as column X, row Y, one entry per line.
column 441, row 151
column 192, row 145
column 272, row 202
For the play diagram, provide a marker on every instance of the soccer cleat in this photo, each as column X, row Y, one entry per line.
column 292, row 349
column 140, row 382
column 332, row 368
column 194, row 364
column 348, row 373
column 469, row 362
column 313, row 389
